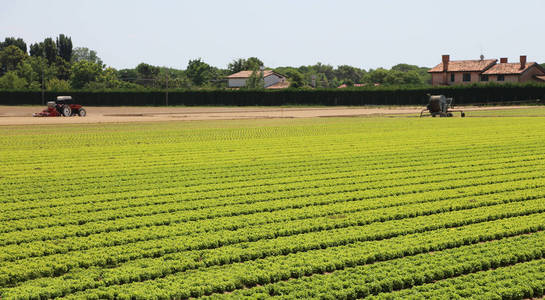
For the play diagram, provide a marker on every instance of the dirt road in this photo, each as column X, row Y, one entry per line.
column 22, row 115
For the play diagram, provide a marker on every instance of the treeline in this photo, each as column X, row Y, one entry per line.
column 381, row 95
column 55, row 65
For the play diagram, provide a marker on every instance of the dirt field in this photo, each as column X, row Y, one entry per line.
column 22, row 115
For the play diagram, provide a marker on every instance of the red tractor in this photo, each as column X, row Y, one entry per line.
column 63, row 106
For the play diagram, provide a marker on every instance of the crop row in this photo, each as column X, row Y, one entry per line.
column 229, row 277
column 140, row 229
column 250, row 205
column 404, row 273
column 231, row 247
column 118, row 182
column 521, row 281
column 374, row 175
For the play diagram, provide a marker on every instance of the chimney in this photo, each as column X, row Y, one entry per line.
column 446, row 59
column 503, row 60
column 522, row 62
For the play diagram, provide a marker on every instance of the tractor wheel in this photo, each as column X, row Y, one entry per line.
column 82, row 112
column 463, row 115
column 66, row 111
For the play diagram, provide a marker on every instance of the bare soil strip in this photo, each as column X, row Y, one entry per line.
column 22, row 115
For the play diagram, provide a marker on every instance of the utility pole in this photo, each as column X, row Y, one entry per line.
column 166, row 94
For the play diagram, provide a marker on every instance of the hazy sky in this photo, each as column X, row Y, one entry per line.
column 366, row 34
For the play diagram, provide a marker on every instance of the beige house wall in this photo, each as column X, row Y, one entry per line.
column 508, row 78
column 437, row 78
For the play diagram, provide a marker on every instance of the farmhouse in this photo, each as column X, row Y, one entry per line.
column 272, row 80
column 485, row 70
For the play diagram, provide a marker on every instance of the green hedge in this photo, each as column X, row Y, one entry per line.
column 483, row 94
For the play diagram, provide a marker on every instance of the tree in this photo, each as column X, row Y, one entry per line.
column 146, row 71
column 83, row 53
column 237, row 65
column 296, row 79
column 106, row 80
column 376, row 76
column 64, row 46
column 198, row 72
column 349, row 73
column 11, row 41
column 56, row 84
column 241, row 64
column 254, row 64
column 63, row 68
column 50, row 50
column 327, row 70
column 84, row 72
column 33, row 69
column 255, row 81
column 412, row 77
column 128, row 74
column 405, row 68
column 10, row 58
column 394, row 77
column 10, row 80
column 37, row 49
column 146, row 74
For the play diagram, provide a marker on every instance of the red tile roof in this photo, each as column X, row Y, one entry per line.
column 508, row 68
column 465, row 66
column 247, row 74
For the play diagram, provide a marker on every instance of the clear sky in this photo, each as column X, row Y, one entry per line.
column 366, row 34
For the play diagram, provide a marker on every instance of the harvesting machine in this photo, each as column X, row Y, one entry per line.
column 439, row 105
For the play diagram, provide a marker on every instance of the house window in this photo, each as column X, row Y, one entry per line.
column 451, row 77
column 484, row 77
column 467, row 77
column 501, row 77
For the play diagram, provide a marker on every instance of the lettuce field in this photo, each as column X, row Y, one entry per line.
column 331, row 208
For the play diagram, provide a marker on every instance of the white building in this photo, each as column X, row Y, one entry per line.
column 271, row 79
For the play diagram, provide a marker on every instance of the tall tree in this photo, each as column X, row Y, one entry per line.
column 198, row 72
column 349, row 73
column 64, row 46
column 237, row 65
column 128, row 75
column 9, row 41
column 37, row 50
column 253, row 63
column 84, row 72
column 146, row 74
column 35, row 70
column 296, row 79
column 83, row 53
column 241, row 64
column 50, row 50
column 10, row 57
column 147, row 71
column 10, row 80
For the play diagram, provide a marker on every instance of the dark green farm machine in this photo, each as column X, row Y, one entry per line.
column 439, row 105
